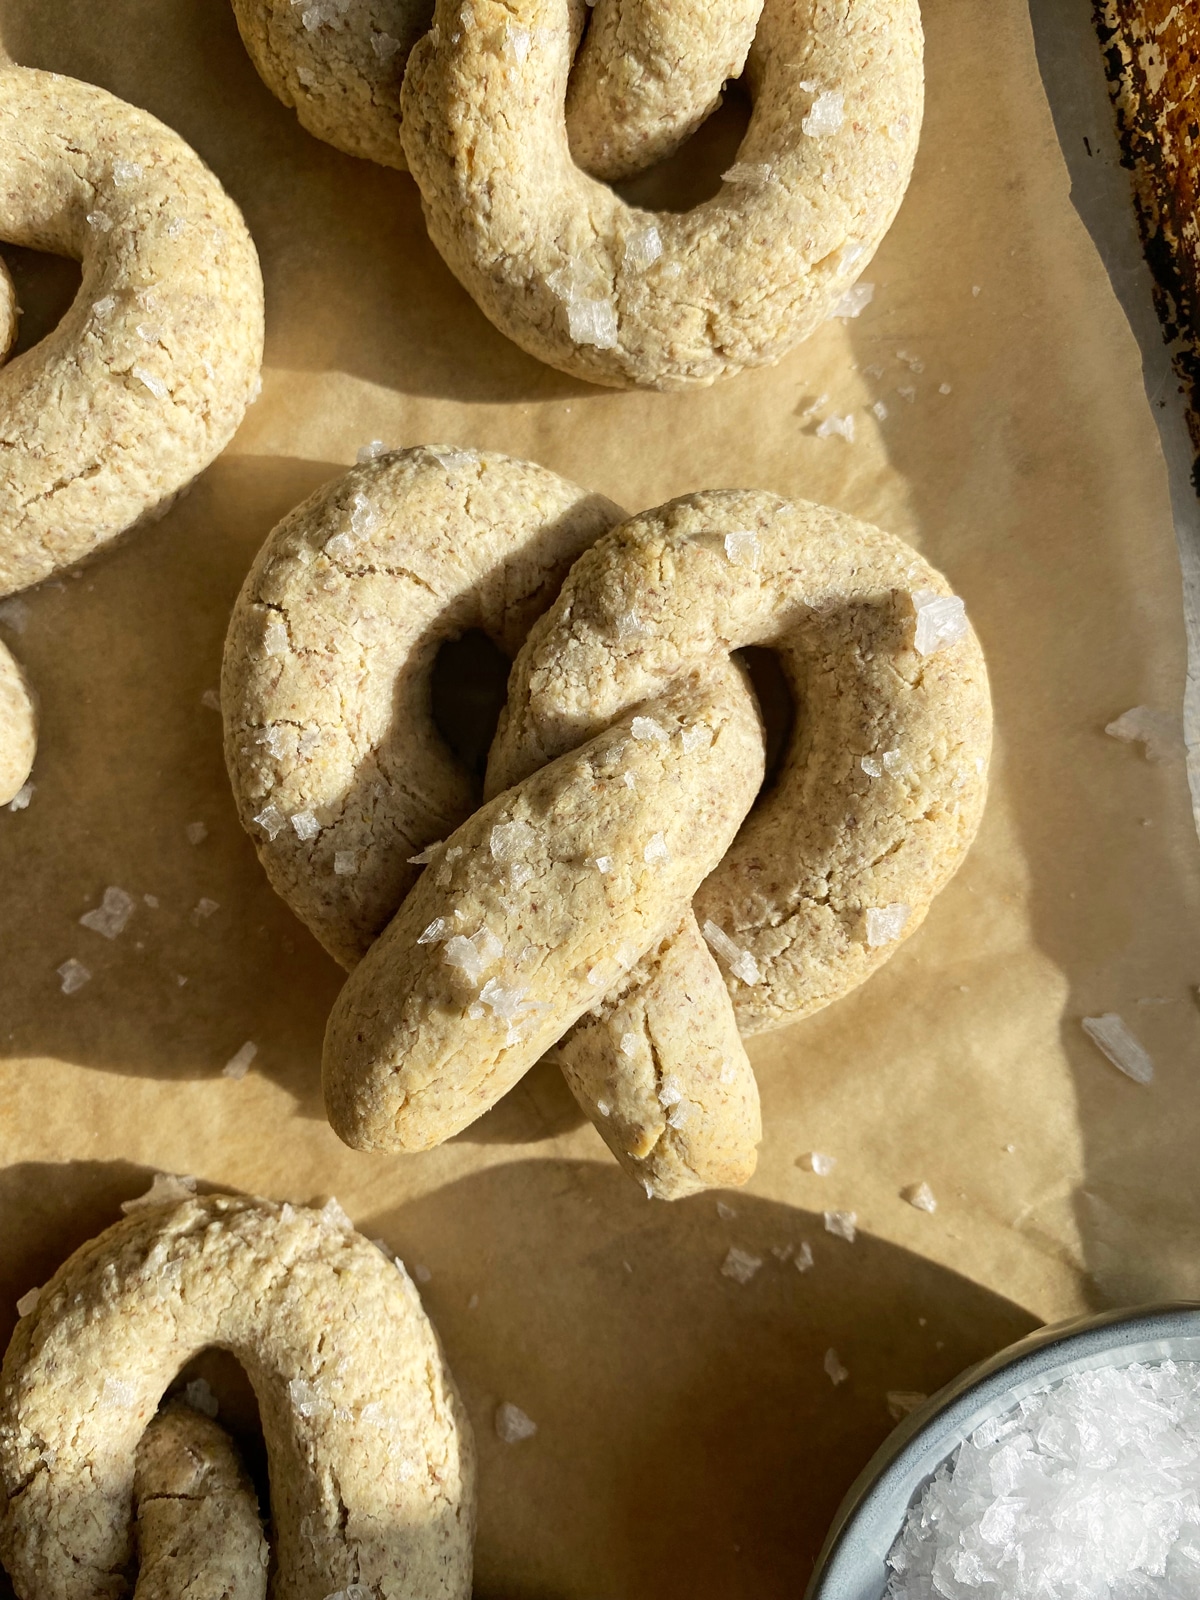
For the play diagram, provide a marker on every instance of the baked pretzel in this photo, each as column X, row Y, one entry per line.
column 576, row 905
column 371, row 1463
column 151, row 369
column 647, row 75
column 622, row 296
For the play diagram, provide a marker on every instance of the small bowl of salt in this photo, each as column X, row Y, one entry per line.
column 1067, row 1465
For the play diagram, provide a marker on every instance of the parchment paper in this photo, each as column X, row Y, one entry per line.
column 689, row 1439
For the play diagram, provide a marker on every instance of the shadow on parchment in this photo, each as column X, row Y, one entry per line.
column 689, row 1440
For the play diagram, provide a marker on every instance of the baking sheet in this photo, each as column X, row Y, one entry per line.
column 689, row 1439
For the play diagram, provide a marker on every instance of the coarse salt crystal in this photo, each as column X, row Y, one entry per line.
column 14, row 614
column 111, row 915
column 920, row 1196
column 656, row 851
column 198, row 1394
column 104, row 307
column 238, row 1065
column 119, row 1394
column 506, row 1003
column 880, row 410
column 871, row 766
column 212, row 699
column 449, row 457
column 23, row 796
column 155, row 385
column 944, row 388
column 305, row 1397
column 426, row 855
column 603, row 1107
column 913, row 363
column 630, row 626
column 384, row 46
column 73, row 974
column 822, row 1165
column 305, row 825
column 1127, row 1054
column 740, row 962
column 854, row 301
column 629, row 1045
column 473, row 956
column 804, row 1257
column 885, row 924
column 196, row 832
column 742, row 548
column 893, row 762
column 28, row 1301
column 843, row 427
column 907, row 391
column 670, row 1093
column 98, row 221
column 363, row 515
column 166, row 1189
column 834, row 1370
column 646, row 730
column 275, row 635
column 370, row 452
column 334, row 1215
column 517, row 42
column 740, row 1265
column 592, row 321
column 698, row 737
column 728, row 1073
column 345, row 863
column 748, row 174
column 602, row 864
column 680, row 1114
column 902, row 1402
column 513, row 1424
column 643, row 247
column 1159, row 734
column 203, row 909
column 725, row 1211
column 826, row 115
column 148, row 333
column 842, row 1224
column 941, row 619
column 510, row 840
column 126, row 172
column 271, row 820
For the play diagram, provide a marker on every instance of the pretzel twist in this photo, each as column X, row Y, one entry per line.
column 568, row 907
column 151, row 369
column 370, row 1456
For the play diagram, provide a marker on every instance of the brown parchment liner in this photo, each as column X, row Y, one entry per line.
column 689, row 1440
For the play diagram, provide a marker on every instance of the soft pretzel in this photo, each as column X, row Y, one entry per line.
column 629, row 753
column 370, row 1455
column 622, row 296
column 149, row 372
column 647, row 75
column 197, row 1523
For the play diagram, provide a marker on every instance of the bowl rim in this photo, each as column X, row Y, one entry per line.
column 1017, row 1366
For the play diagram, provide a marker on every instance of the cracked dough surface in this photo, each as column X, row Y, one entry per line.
column 627, row 757
column 371, row 1458
column 625, row 297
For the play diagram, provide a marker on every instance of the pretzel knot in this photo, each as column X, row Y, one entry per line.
column 149, row 372
column 623, row 838
column 370, row 1456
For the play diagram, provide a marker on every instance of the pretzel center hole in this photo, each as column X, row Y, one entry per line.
column 776, row 703
column 46, row 285
column 237, row 1411
column 469, row 688
column 693, row 174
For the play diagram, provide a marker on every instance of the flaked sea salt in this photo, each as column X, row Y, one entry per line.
column 97, row 221
column 334, row 1215
column 822, row 1165
column 275, row 635
column 643, row 248
column 631, row 626
column 592, row 321
column 1127, row 1053
column 384, row 46
column 305, row 1397
column 73, row 974
column 944, row 388
column 449, row 457
column 118, row 1393
column 200, row 1397
column 196, row 832
column 602, row 864
column 656, row 851
column 920, row 1196
column 826, row 115
column 125, row 172
column 434, row 931
column 603, row 1107
column 740, row 962
column 23, row 796
column 748, row 174
column 1086, row 1490
column 506, row 1002
column 843, row 427
column 271, row 820
column 238, row 1064
column 426, row 856
column 305, row 825
column 913, row 363
column 370, row 452
column 363, row 516
column 902, row 1402
column 885, row 924
column 907, row 391
column 111, row 915
column 510, row 841
column 880, row 410
column 14, row 614
column 629, row 1045
column 149, row 381
column 670, row 1092
column 212, row 699
column 473, row 956
column 740, row 1265
column 345, row 863
column 742, row 548
column 513, row 1424
column 834, row 1370
column 941, row 619
column 28, row 1301
column 1159, row 734
column 725, row 1211
column 203, row 909
column 647, row 731
column 804, row 1257
column 166, row 1189
column 893, row 762
column 842, row 1224
column 680, row 1114
column 871, row 766
column 698, row 737
column 104, row 307
column 854, row 302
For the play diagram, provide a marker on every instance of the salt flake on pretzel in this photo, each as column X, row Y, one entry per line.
column 620, row 296
column 370, row 1456
column 610, row 859
column 151, row 369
